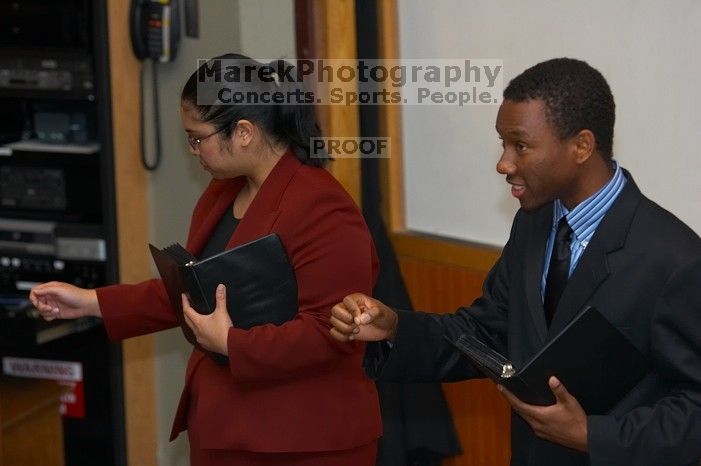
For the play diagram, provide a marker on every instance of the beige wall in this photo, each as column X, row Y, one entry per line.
column 267, row 28
column 643, row 49
column 259, row 28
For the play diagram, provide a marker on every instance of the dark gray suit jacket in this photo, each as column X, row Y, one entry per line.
column 642, row 270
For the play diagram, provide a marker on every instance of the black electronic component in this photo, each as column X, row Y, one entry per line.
column 57, row 208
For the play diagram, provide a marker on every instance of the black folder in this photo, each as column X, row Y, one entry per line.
column 261, row 287
column 595, row 362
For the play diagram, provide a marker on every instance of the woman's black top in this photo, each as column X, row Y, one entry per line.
column 222, row 233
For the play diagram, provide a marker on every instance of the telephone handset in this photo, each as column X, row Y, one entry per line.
column 155, row 29
column 155, row 34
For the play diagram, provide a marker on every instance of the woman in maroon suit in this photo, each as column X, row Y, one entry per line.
column 290, row 394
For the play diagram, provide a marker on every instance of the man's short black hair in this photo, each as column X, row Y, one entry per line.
column 576, row 97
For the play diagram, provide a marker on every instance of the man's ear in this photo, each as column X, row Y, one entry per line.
column 244, row 132
column 584, row 145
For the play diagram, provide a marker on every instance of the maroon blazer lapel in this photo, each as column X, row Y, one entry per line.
column 264, row 209
column 260, row 216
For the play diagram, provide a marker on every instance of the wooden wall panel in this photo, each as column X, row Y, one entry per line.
column 390, row 124
column 329, row 33
column 480, row 413
column 131, row 185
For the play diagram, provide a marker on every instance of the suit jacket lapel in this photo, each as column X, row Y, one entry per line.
column 534, row 267
column 264, row 209
column 590, row 273
column 260, row 215
column 593, row 269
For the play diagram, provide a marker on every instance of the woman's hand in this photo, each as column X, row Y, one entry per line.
column 211, row 330
column 58, row 300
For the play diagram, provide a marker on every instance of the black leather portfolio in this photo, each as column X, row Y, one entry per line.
column 261, row 287
column 595, row 362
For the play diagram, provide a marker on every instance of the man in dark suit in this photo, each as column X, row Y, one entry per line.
column 584, row 235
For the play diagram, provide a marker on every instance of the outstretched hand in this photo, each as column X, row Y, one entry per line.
column 212, row 330
column 564, row 423
column 360, row 317
column 58, row 300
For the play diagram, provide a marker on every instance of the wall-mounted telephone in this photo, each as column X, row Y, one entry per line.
column 155, row 34
column 155, row 29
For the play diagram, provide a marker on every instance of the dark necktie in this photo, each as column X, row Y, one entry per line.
column 558, row 273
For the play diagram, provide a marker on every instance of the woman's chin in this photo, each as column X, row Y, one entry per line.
column 218, row 176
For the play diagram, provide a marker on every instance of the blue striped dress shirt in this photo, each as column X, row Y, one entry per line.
column 583, row 219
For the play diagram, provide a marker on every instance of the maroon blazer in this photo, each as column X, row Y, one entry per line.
column 291, row 388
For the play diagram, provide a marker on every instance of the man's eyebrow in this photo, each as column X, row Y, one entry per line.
column 514, row 133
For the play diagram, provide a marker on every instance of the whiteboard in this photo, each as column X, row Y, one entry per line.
column 647, row 50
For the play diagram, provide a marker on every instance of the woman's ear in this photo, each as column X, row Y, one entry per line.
column 244, row 132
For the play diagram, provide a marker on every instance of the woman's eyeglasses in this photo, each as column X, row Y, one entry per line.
column 195, row 142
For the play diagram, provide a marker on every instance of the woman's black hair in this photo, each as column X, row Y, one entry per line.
column 233, row 87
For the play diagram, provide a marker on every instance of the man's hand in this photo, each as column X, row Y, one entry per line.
column 360, row 317
column 564, row 422
column 211, row 331
column 58, row 300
